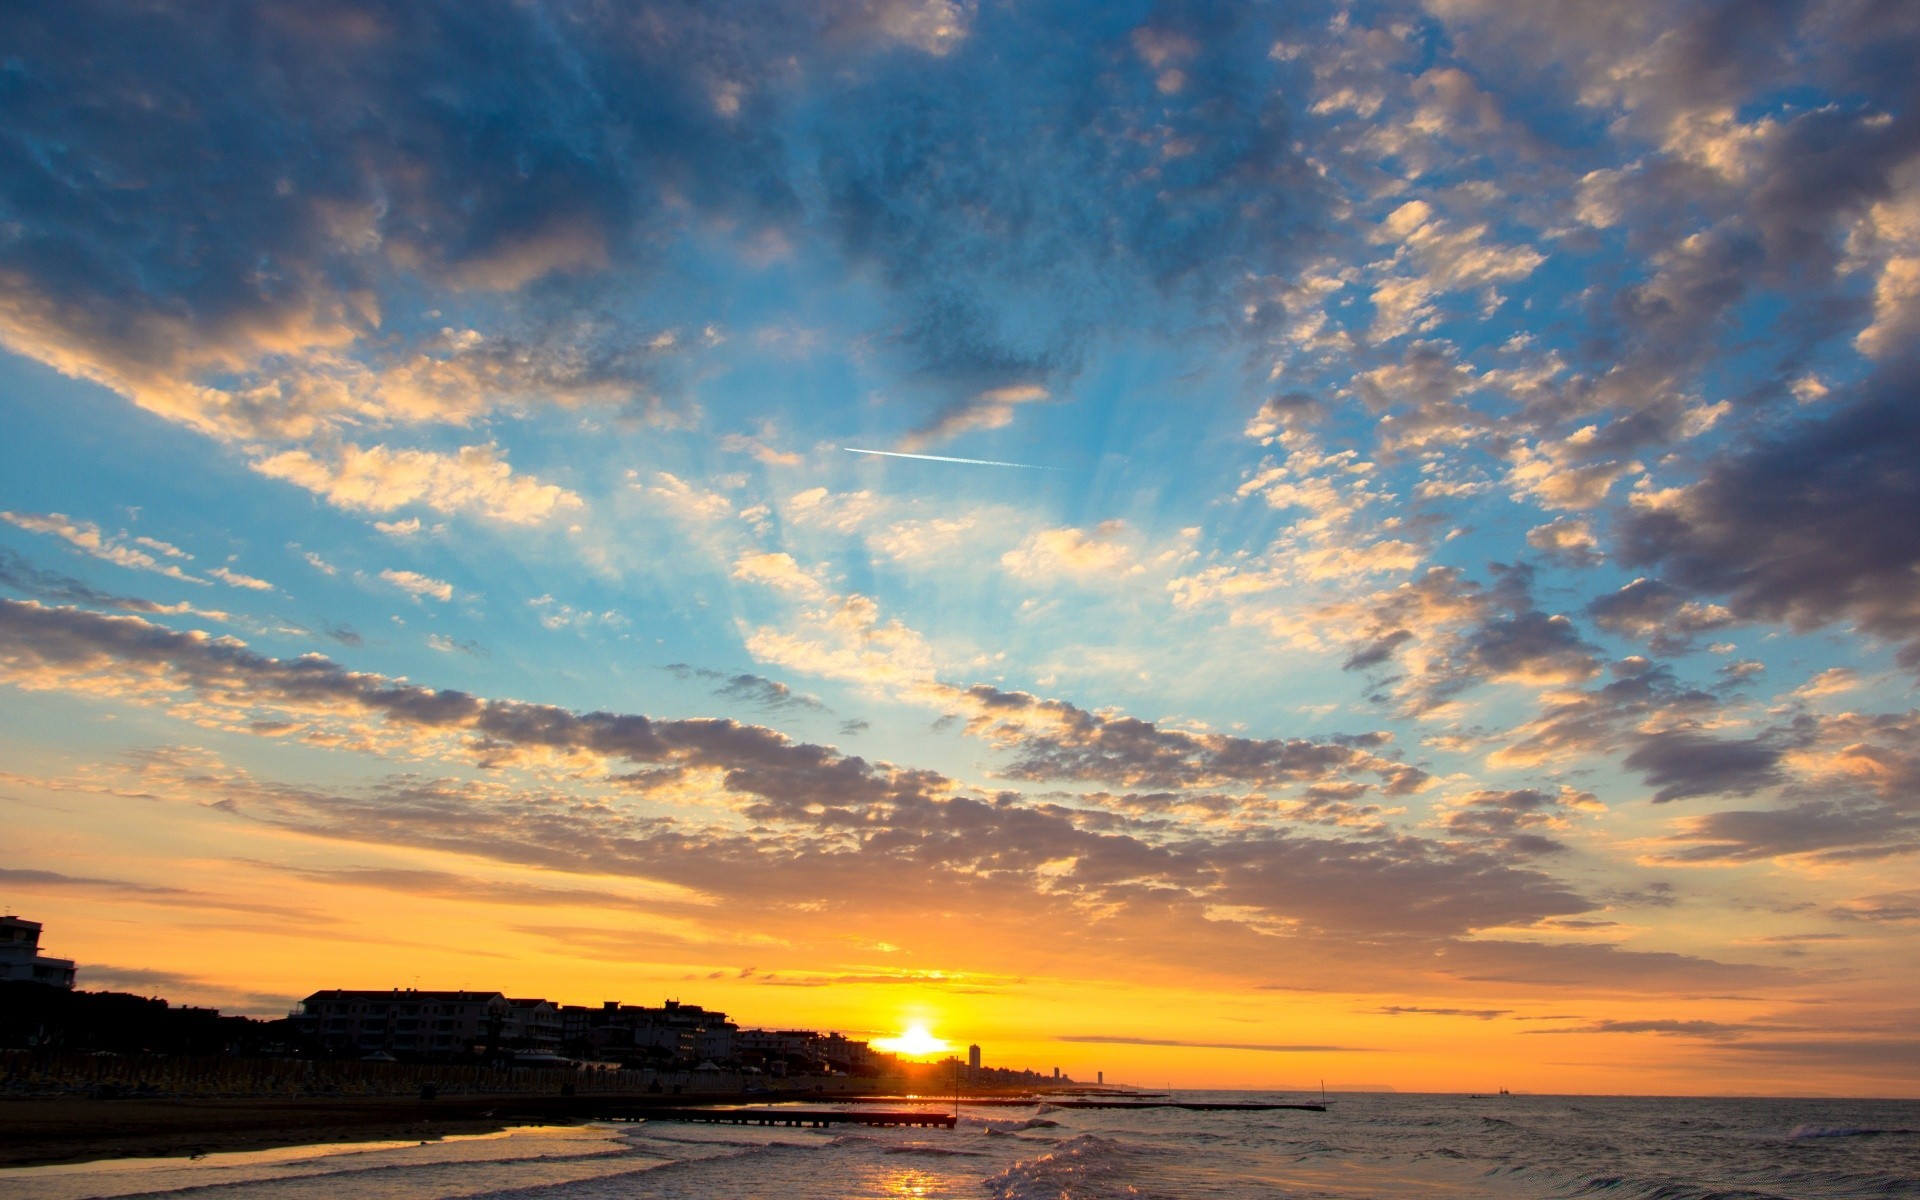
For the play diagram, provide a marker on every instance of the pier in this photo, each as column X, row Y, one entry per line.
column 1195, row 1106
column 1135, row 1101
column 814, row 1118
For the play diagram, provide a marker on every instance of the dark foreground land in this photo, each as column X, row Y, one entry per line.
column 70, row 1129
column 39, row 1131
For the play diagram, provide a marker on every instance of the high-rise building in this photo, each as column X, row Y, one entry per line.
column 20, row 956
column 973, row 1059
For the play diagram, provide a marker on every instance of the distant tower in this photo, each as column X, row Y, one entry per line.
column 973, row 1059
column 1100, row 1077
column 1056, row 1072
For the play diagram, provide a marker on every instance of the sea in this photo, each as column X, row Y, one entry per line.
column 1363, row 1146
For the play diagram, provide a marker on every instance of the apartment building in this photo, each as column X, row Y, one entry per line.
column 20, row 956
column 407, row 1022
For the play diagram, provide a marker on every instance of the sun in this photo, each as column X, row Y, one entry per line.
column 916, row 1042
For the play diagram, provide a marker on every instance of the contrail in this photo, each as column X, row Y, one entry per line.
column 977, row 462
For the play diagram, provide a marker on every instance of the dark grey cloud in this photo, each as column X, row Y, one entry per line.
column 1520, row 820
column 1807, row 526
column 1672, row 1028
column 1479, row 1014
column 1835, row 831
column 150, row 893
column 1658, row 613
column 1891, row 907
column 751, row 689
column 1682, row 763
column 1026, row 188
column 197, row 190
column 824, row 811
column 140, row 979
column 1476, row 633
column 24, row 577
column 26, row 875
column 343, row 633
column 1055, row 740
column 201, row 187
column 1640, row 695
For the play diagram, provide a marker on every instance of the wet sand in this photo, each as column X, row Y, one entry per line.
column 37, row 1132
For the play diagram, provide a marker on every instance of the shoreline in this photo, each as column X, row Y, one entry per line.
column 38, row 1133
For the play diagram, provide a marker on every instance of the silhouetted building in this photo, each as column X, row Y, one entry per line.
column 406, row 1022
column 635, row 1034
column 531, row 1024
column 973, row 1061
column 20, row 956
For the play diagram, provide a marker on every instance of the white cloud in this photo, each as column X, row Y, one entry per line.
column 475, row 480
column 87, row 537
column 419, row 585
column 235, row 579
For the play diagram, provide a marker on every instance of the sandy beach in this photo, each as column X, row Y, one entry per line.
column 35, row 1132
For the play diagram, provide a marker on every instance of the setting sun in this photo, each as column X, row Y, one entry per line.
column 916, row 1042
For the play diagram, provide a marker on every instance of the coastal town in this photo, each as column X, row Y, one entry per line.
column 674, row 1046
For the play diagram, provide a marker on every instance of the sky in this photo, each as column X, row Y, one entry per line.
column 1224, row 544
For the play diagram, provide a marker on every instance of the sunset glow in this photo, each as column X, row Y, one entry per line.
column 916, row 1042
column 1223, row 544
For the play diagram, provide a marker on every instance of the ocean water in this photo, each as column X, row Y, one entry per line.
column 1387, row 1146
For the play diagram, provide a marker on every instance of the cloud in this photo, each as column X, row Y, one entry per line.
column 1659, row 613
column 1670, row 1028
column 1053, row 553
column 1886, row 907
column 1521, row 820
column 192, row 327
column 1434, row 257
column 343, row 633
column 1256, row 1047
column 453, row 645
column 780, row 572
column 1681, row 763
column 751, row 689
column 1568, row 541
column 474, row 480
column 1804, row 526
column 1055, row 740
column 812, row 798
column 555, row 615
column 22, row 576
column 236, row 579
column 990, row 409
column 1478, row 1014
column 86, row 537
column 690, row 501
column 419, row 586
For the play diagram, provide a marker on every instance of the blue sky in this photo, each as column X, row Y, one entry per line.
column 1464, row 510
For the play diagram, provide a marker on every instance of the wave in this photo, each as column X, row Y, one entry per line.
column 1799, row 1132
column 1087, row 1167
column 990, row 1125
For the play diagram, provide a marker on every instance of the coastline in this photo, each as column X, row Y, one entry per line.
column 45, row 1132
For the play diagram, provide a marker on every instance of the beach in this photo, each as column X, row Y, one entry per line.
column 71, row 1130
column 1369, row 1146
